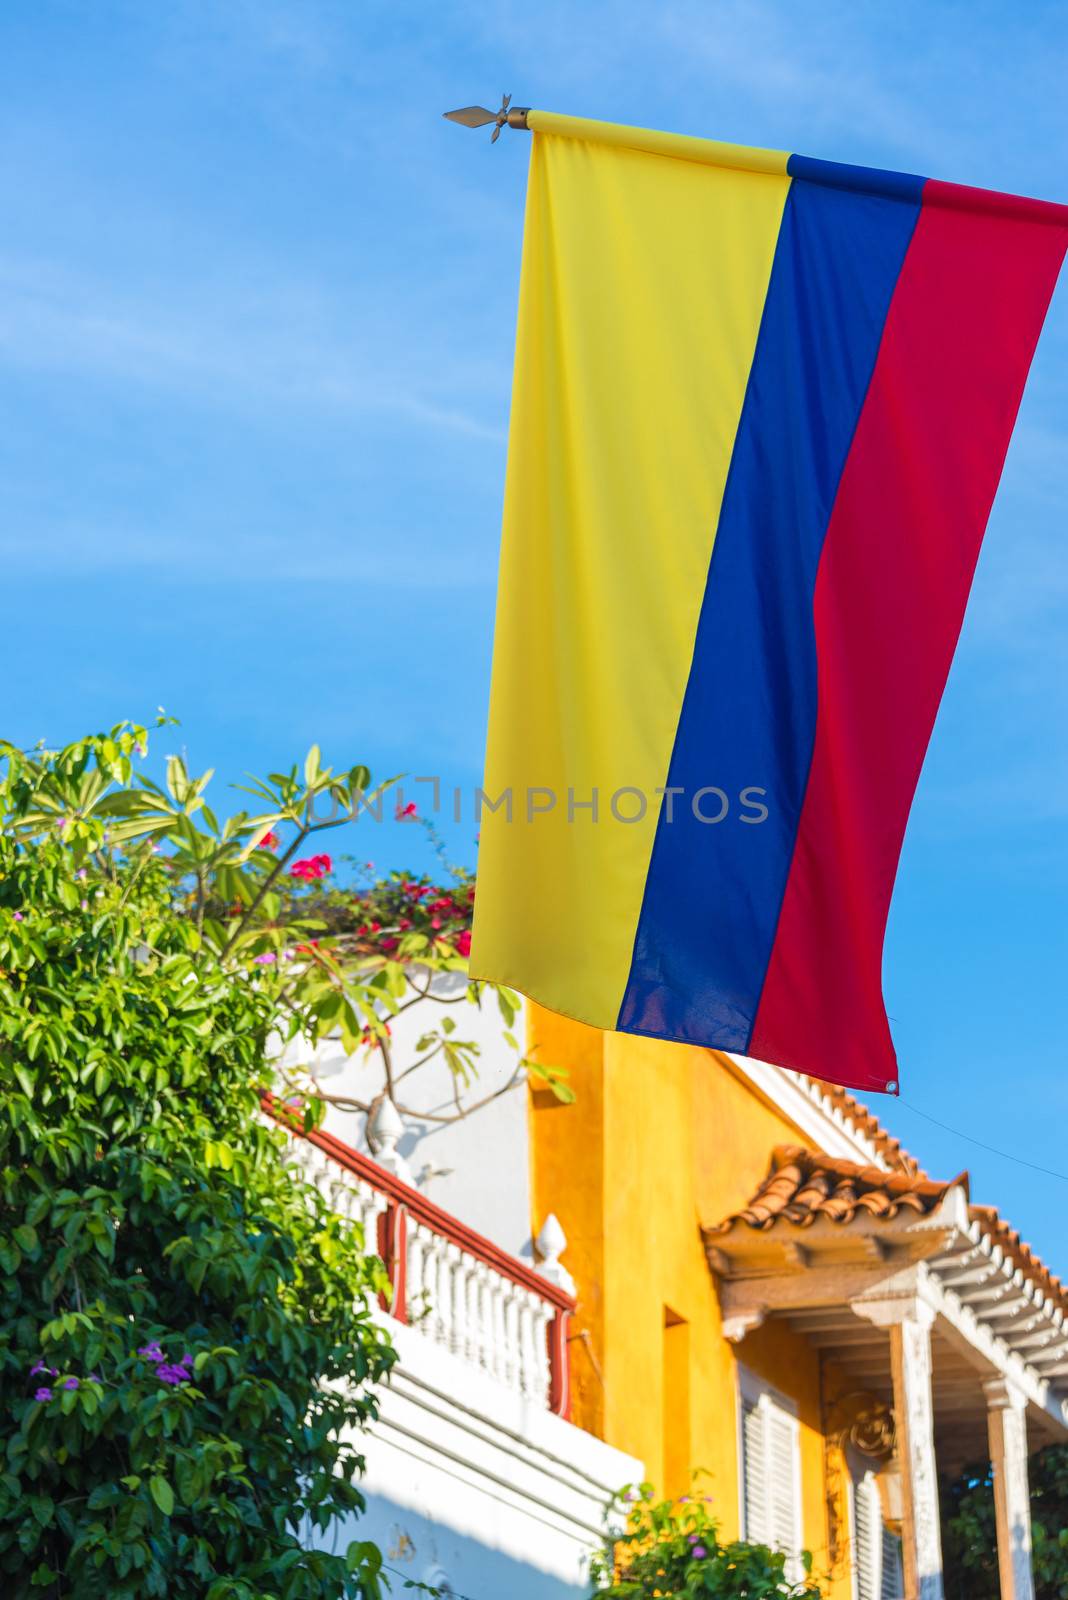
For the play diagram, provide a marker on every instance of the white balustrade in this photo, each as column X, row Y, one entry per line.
column 463, row 1304
column 345, row 1192
column 467, row 1303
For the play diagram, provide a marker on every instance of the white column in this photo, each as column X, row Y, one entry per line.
column 1007, row 1425
column 909, row 1321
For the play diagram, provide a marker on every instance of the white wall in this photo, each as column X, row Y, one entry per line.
column 486, row 1156
column 468, row 1482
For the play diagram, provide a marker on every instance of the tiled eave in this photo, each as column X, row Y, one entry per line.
column 814, row 1271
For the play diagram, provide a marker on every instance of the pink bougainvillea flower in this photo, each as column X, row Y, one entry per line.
column 463, row 942
column 406, row 813
column 270, row 841
column 18, row 916
column 311, row 868
column 389, row 945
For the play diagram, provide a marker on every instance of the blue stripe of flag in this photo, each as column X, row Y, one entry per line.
column 714, row 891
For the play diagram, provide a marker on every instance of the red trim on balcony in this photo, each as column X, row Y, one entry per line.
column 421, row 1208
column 559, row 1365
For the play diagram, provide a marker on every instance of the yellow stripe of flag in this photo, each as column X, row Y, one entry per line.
column 643, row 283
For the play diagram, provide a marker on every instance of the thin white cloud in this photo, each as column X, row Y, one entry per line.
column 280, row 348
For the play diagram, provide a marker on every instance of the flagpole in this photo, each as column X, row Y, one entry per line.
column 509, row 116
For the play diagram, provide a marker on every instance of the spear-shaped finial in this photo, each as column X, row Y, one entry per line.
column 480, row 117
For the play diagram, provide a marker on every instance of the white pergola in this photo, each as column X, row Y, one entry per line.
column 931, row 1315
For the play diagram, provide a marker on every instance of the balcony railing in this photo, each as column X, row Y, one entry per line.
column 458, row 1288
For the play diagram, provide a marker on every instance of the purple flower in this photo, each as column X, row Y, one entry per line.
column 43, row 1394
column 39, row 1366
column 94, row 1377
column 699, row 1551
column 17, row 916
column 71, row 1383
column 172, row 1374
column 265, row 960
column 151, row 1352
column 81, row 874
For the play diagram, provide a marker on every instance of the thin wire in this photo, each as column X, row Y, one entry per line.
column 426, row 1588
column 992, row 1148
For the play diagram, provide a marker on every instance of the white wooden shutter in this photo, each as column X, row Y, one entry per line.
column 754, row 1473
column 866, row 1532
column 877, row 1572
column 892, row 1586
column 783, row 1476
column 771, row 1473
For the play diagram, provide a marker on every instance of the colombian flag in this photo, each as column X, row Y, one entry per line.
column 760, row 410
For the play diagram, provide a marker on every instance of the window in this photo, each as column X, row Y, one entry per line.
column 877, row 1573
column 771, row 1470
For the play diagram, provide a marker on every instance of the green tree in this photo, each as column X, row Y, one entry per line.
column 672, row 1547
column 969, row 1534
column 187, row 1349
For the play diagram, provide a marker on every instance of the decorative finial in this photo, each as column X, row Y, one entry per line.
column 481, row 116
column 385, row 1129
column 550, row 1245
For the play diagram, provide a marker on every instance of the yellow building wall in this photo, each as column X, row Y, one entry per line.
column 661, row 1139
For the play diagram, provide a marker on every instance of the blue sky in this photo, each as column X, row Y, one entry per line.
column 256, row 315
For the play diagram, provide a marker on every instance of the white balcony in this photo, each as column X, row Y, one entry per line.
column 475, row 1479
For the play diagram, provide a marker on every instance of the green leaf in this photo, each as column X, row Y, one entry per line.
column 26, row 1083
column 162, row 1493
column 42, row 1508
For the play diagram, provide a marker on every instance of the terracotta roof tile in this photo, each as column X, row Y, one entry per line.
column 1021, row 1254
column 865, row 1122
column 802, row 1185
column 1001, row 1233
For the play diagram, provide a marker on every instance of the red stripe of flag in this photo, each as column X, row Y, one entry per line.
column 894, row 577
